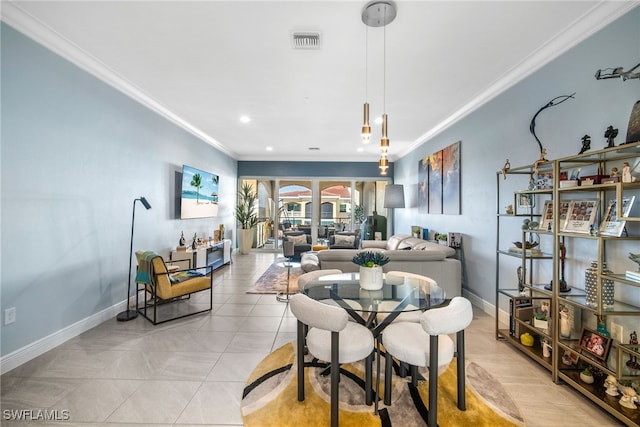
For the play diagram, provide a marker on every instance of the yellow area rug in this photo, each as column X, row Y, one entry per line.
column 270, row 397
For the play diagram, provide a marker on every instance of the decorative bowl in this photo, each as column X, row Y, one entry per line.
column 527, row 245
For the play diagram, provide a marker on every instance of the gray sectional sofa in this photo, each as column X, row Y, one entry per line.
column 406, row 253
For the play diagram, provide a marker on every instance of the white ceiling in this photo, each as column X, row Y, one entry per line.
column 203, row 64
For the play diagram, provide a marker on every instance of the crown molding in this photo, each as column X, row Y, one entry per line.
column 592, row 21
column 27, row 24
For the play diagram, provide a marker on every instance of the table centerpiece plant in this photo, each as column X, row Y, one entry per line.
column 370, row 268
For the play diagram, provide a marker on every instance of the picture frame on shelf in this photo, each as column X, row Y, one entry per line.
column 594, row 344
column 546, row 220
column 570, row 358
column 581, row 215
column 526, row 201
column 611, row 224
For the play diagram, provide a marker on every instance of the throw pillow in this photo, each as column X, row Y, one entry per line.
column 344, row 240
column 298, row 240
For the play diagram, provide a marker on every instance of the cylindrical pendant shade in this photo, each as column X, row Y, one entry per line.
column 366, row 129
column 394, row 196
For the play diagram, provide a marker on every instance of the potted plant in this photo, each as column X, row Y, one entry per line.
column 442, row 238
column 586, row 376
column 540, row 320
column 370, row 268
column 246, row 217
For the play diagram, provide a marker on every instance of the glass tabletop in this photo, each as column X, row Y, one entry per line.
column 398, row 293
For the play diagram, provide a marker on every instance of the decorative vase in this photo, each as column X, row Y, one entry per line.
column 602, row 329
column 565, row 326
column 245, row 240
column 371, row 278
column 591, row 287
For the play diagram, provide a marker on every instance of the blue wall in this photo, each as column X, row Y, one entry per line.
column 75, row 154
column 500, row 130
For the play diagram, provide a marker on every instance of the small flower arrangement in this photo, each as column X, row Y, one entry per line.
column 370, row 259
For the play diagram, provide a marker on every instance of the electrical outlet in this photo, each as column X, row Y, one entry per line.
column 9, row 315
column 617, row 332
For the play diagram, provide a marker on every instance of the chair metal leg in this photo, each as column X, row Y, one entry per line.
column 388, row 366
column 368, row 379
column 432, row 417
column 300, row 355
column 335, row 377
column 414, row 375
column 462, row 401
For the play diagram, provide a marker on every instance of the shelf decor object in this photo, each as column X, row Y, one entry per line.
column 591, row 287
column 612, row 225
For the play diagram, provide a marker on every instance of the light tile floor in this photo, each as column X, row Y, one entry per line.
column 192, row 371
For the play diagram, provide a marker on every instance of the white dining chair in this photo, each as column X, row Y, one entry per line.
column 331, row 338
column 428, row 344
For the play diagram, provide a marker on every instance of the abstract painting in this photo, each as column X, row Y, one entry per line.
column 439, row 182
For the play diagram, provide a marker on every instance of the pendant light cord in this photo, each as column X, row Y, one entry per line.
column 384, row 64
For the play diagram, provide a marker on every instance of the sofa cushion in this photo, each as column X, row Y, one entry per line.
column 341, row 240
column 394, row 241
column 434, row 247
column 298, row 240
column 401, row 255
column 309, row 262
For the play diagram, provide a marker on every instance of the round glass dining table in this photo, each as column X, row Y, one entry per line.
column 399, row 294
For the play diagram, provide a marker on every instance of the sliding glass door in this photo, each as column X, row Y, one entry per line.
column 318, row 208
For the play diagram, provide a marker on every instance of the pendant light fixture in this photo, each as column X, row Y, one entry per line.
column 379, row 13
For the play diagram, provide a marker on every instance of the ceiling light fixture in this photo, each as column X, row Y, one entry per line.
column 379, row 13
column 245, row 119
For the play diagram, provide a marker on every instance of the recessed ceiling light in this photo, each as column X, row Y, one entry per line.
column 378, row 120
column 245, row 119
column 360, row 149
column 269, row 148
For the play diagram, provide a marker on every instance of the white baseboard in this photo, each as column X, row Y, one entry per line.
column 487, row 307
column 35, row 349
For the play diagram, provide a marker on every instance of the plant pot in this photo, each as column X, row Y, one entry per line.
column 541, row 324
column 586, row 378
column 371, row 278
column 245, row 240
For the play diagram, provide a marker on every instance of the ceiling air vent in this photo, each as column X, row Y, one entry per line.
column 305, row 39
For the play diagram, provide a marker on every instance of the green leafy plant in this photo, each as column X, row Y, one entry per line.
column 540, row 315
column 370, row 259
column 358, row 214
column 245, row 209
column 442, row 236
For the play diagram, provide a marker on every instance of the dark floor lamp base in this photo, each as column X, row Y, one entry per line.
column 127, row 315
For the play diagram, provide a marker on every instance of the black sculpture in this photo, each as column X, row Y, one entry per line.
column 610, row 134
column 532, row 125
column 563, row 283
column 618, row 72
column 586, row 144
